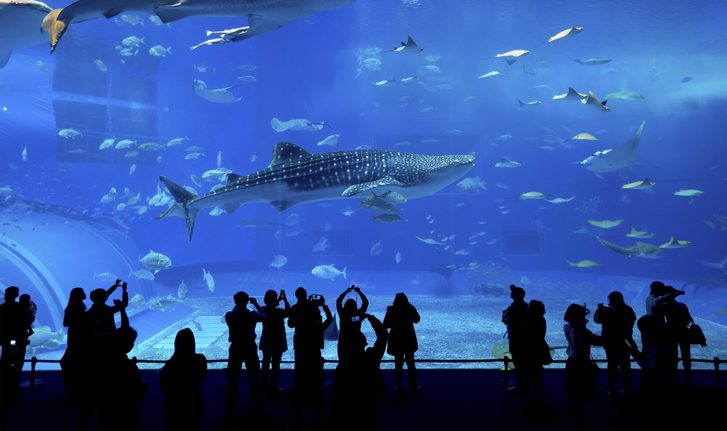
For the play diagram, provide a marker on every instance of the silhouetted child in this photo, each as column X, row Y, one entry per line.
column 580, row 371
column 243, row 350
column 273, row 342
column 514, row 317
column 537, row 348
column 29, row 310
column 349, row 316
column 617, row 320
column 181, row 379
column 400, row 319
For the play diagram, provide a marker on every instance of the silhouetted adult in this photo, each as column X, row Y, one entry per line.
column 74, row 360
column 273, row 342
column 358, row 382
column 28, row 310
column 349, row 316
column 678, row 321
column 400, row 319
column 658, row 296
column 580, row 373
column 102, row 315
column 181, row 379
column 654, row 358
column 617, row 320
column 243, row 350
column 120, row 388
column 514, row 317
column 537, row 348
column 14, row 340
column 305, row 318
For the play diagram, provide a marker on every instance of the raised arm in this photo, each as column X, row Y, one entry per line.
column 329, row 317
column 364, row 301
column 339, row 301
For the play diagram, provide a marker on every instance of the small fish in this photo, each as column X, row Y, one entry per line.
column 101, row 66
column 208, row 280
column 429, row 241
column 489, row 74
column 512, row 56
column 193, row 156
column 279, row 261
column 216, row 211
column 143, row 274
column 247, row 78
column 107, row 143
column 397, row 257
column 507, row 163
column 688, row 192
column 328, row 272
column 69, row 133
column 376, row 248
column 106, row 277
column 124, row 144
column 176, row 141
column 385, row 218
column 132, row 168
column 584, row 137
column 686, row 79
column 321, row 245
column 644, row 184
column 583, row 264
column 560, row 200
column 182, row 290
column 24, row 154
column 160, row 51
column 533, row 195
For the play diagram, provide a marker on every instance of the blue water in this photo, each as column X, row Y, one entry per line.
column 315, row 68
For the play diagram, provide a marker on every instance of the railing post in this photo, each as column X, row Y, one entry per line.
column 33, row 363
column 716, row 371
column 507, row 374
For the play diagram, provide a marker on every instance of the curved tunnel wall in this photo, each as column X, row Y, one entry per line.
column 46, row 255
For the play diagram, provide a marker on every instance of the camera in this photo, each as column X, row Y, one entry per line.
column 316, row 299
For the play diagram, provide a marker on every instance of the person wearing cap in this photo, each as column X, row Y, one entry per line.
column 580, row 371
column 659, row 294
column 515, row 317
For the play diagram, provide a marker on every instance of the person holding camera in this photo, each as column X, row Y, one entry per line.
column 273, row 342
column 678, row 321
column 102, row 314
column 350, row 316
column 617, row 325
column 400, row 319
column 305, row 318
column 241, row 322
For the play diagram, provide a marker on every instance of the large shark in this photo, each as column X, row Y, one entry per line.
column 640, row 249
column 295, row 176
column 262, row 15
column 20, row 22
column 614, row 159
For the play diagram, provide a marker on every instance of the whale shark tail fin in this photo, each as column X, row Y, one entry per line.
column 55, row 26
column 4, row 57
column 183, row 197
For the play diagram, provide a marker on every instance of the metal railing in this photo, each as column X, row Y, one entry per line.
column 506, row 361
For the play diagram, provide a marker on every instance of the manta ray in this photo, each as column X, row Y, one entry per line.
column 640, row 249
column 614, row 159
column 20, row 22
column 295, row 176
column 262, row 15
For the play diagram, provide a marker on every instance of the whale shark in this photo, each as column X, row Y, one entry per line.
column 262, row 15
column 614, row 159
column 20, row 22
column 295, row 176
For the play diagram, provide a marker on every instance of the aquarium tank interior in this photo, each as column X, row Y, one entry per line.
column 445, row 149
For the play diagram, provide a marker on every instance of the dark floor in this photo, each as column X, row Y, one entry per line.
column 449, row 400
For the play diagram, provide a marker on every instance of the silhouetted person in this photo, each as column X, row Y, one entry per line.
column 181, row 379
column 243, row 350
column 121, row 388
column 349, row 316
column 29, row 309
column 14, row 340
column 273, row 342
column 515, row 317
column 658, row 296
column 305, row 318
column 74, row 361
column 102, row 315
column 537, row 348
column 654, row 358
column 580, row 373
column 617, row 320
column 678, row 320
column 358, row 382
column 400, row 319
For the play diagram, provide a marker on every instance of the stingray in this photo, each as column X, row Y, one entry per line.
column 640, row 249
column 215, row 95
column 614, row 159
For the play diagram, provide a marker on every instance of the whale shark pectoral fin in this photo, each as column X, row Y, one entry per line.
column 55, row 26
column 229, row 209
column 232, row 178
column 257, row 24
column 364, row 187
column 110, row 13
column 4, row 57
column 172, row 12
column 282, row 205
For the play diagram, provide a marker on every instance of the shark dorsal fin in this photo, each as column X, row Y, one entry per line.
column 285, row 151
